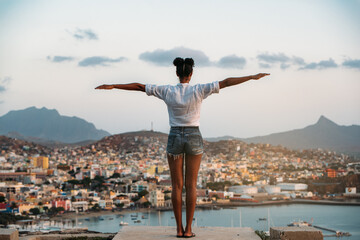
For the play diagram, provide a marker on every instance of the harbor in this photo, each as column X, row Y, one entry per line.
column 332, row 219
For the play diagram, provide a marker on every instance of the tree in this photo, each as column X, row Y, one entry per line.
column 115, row 175
column 143, row 193
column 96, row 207
column 35, row 211
column 60, row 209
column 13, row 205
column 147, row 204
column 119, row 205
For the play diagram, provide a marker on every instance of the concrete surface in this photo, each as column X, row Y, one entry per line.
column 9, row 234
column 64, row 236
column 295, row 233
column 202, row 233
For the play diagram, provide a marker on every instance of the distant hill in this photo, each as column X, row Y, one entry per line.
column 324, row 134
column 41, row 125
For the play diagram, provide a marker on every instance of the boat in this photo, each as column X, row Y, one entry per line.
column 262, row 219
column 144, row 217
column 137, row 221
column 111, row 218
column 123, row 223
column 300, row 223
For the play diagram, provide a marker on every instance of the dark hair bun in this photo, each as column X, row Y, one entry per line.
column 189, row 61
column 178, row 61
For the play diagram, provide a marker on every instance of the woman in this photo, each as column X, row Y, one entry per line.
column 184, row 142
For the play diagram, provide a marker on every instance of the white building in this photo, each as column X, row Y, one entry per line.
column 243, row 189
column 271, row 189
column 157, row 198
column 292, row 186
column 80, row 206
column 350, row 190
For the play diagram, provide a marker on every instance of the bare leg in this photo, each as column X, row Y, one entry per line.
column 192, row 165
column 177, row 182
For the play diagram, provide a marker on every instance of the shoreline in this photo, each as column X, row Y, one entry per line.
column 72, row 215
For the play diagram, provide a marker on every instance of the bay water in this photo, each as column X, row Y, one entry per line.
column 341, row 218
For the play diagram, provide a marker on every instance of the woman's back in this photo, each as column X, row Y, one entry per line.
column 183, row 100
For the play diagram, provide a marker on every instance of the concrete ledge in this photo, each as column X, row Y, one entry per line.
column 295, row 233
column 202, row 233
column 9, row 234
column 67, row 236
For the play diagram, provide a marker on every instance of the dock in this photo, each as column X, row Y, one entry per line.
column 337, row 233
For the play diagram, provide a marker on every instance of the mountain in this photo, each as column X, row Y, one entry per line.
column 47, row 124
column 323, row 134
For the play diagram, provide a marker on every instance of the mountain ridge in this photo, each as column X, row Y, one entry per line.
column 48, row 124
column 324, row 134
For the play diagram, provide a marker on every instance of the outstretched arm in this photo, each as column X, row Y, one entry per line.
column 129, row 86
column 237, row 80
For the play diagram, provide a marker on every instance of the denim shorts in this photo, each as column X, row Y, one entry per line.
column 186, row 140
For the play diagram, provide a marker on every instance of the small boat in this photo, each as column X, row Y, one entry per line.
column 87, row 219
column 144, row 217
column 262, row 219
column 300, row 223
column 111, row 218
column 133, row 215
column 123, row 223
column 101, row 219
column 137, row 221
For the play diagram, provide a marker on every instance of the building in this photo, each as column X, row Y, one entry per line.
column 80, row 206
column 64, row 203
column 243, row 189
column 157, row 198
column 106, row 204
column 41, row 161
column 292, row 186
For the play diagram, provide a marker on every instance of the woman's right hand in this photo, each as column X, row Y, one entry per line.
column 108, row 87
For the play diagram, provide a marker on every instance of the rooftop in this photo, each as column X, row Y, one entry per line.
column 202, row 233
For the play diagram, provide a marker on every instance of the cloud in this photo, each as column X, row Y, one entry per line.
column 352, row 63
column 273, row 58
column 284, row 66
column 99, row 61
column 3, row 82
column 324, row 64
column 267, row 60
column 166, row 57
column 264, row 65
column 82, row 34
column 60, row 58
column 231, row 61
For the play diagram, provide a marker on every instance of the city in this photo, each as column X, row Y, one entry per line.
column 128, row 171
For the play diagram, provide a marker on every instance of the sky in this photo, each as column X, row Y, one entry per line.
column 54, row 53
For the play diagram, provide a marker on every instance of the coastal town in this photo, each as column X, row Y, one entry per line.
column 130, row 171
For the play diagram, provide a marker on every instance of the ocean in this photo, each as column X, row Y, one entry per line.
column 341, row 218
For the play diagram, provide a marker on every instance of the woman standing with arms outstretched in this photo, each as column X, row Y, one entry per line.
column 185, row 143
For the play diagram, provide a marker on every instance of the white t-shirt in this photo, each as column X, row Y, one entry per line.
column 183, row 100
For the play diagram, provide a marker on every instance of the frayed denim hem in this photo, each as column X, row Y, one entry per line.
column 176, row 156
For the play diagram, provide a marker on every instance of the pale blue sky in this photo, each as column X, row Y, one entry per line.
column 53, row 54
